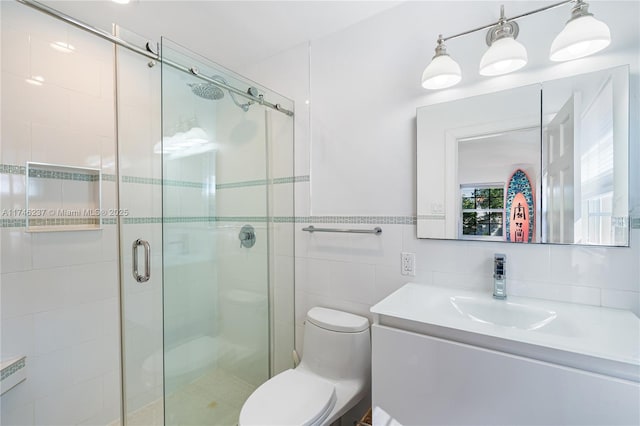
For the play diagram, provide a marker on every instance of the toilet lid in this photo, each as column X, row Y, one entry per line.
column 289, row 398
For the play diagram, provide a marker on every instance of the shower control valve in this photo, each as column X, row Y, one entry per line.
column 247, row 236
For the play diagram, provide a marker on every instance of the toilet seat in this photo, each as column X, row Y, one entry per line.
column 289, row 398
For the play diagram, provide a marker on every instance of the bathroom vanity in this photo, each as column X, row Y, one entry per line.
column 446, row 356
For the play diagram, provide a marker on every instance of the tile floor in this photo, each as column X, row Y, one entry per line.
column 213, row 399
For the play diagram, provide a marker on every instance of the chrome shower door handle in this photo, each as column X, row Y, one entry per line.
column 147, row 261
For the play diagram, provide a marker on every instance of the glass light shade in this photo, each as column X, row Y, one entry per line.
column 581, row 37
column 504, row 56
column 441, row 73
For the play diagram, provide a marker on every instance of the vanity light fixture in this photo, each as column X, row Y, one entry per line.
column 505, row 54
column 443, row 71
column 583, row 35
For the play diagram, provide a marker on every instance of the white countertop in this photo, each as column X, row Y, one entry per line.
column 597, row 339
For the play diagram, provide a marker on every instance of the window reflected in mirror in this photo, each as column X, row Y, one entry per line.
column 493, row 168
column 482, row 211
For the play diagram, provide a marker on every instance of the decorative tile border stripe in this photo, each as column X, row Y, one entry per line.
column 13, row 223
column 284, row 219
column 166, row 182
column 13, row 368
column 368, row 220
column 261, row 182
column 21, row 223
column 291, row 179
column 74, row 221
column 141, row 220
column 189, row 219
column 193, row 219
column 142, row 180
column 261, row 219
column 9, row 169
column 107, row 177
column 50, row 174
column 431, row 217
column 185, row 184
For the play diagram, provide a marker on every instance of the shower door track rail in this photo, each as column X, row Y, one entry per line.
column 151, row 55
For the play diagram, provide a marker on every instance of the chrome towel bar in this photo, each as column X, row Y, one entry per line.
column 377, row 230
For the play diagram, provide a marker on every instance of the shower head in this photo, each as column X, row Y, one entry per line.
column 213, row 93
column 207, row 91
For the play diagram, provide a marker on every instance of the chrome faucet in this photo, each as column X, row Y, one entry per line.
column 499, row 276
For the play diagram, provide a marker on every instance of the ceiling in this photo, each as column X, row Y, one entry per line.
column 238, row 34
column 232, row 33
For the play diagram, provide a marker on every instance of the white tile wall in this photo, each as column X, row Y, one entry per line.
column 59, row 290
column 361, row 153
column 364, row 90
column 16, row 250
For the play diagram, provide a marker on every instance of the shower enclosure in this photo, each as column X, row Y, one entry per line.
column 199, row 173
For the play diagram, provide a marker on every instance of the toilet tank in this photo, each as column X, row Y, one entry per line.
column 337, row 344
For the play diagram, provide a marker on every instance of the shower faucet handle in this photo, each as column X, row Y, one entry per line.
column 247, row 236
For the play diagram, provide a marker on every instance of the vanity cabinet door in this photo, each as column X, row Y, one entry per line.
column 423, row 380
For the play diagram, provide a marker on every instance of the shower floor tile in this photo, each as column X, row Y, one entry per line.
column 214, row 399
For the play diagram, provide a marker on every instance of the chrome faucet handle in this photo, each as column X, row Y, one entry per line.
column 499, row 276
column 499, row 262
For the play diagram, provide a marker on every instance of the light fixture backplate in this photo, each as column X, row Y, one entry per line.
column 501, row 30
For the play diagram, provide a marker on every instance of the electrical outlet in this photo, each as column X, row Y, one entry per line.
column 408, row 264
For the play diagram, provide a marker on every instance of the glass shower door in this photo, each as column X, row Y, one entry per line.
column 138, row 83
column 215, row 250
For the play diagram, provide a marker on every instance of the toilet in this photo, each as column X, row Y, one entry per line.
column 333, row 376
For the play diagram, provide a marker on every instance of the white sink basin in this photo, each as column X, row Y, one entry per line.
column 503, row 313
column 591, row 338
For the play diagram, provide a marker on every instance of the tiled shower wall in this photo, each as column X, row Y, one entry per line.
column 59, row 289
column 60, row 303
column 360, row 88
column 254, row 183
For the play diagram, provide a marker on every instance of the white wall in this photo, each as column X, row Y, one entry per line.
column 357, row 140
column 59, row 289
column 494, row 159
column 364, row 90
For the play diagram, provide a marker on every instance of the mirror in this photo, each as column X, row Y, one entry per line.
column 540, row 163
column 585, row 167
column 467, row 150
